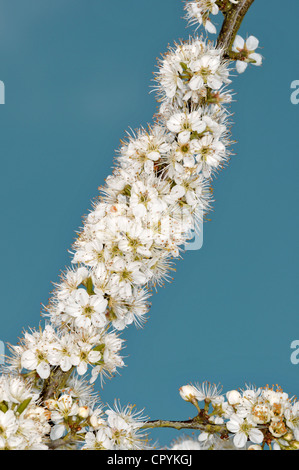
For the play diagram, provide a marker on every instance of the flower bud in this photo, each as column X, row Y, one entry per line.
column 188, row 393
column 83, row 412
column 95, row 421
column 295, row 445
column 233, row 397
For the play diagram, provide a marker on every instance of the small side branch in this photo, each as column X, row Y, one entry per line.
column 194, row 424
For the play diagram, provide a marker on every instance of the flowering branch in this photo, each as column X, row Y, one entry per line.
column 158, row 194
column 266, row 417
column 234, row 14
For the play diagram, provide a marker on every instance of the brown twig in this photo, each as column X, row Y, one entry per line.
column 233, row 17
column 195, row 424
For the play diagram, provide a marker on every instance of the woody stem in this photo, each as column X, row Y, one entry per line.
column 233, row 17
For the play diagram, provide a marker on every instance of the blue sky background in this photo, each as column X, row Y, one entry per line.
column 77, row 75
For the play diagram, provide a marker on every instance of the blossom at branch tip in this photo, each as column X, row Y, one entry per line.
column 198, row 13
column 250, row 418
column 246, row 50
column 201, row 392
column 188, row 393
column 195, row 71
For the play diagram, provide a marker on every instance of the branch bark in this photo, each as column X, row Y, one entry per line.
column 195, row 424
column 55, row 383
column 233, row 17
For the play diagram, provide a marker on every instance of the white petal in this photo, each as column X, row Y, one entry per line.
column 153, row 156
column 82, row 368
column 57, row 431
column 43, row 370
column 189, row 161
column 214, row 82
column 174, row 123
column 257, row 57
column 148, row 166
column 210, row 27
column 252, row 43
column 196, row 83
column 184, row 137
column 240, row 440
column 28, row 360
column 238, row 44
column 215, row 9
column 82, row 297
column 177, row 192
column 65, row 364
column 233, row 426
column 99, row 304
column 256, row 436
column 241, row 66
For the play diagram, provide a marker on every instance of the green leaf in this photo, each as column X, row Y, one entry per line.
column 22, row 407
column 3, row 407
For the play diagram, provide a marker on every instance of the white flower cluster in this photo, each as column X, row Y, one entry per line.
column 199, row 11
column 23, row 423
column 119, row 430
column 193, row 71
column 93, row 428
column 254, row 418
column 40, row 350
column 74, row 419
column 149, row 207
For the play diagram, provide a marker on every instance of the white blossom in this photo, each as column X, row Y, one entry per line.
column 199, row 11
column 247, row 50
column 23, row 423
column 244, row 430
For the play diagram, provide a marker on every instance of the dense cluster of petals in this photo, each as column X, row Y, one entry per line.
column 251, row 418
